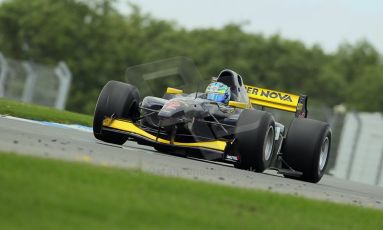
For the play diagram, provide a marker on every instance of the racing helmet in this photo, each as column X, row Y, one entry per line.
column 218, row 92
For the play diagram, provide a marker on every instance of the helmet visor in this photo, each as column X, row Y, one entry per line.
column 218, row 97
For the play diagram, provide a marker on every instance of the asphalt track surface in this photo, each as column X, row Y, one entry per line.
column 49, row 141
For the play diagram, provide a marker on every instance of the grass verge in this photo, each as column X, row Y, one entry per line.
column 37, row 112
column 47, row 194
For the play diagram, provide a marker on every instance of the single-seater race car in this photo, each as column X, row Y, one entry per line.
column 219, row 124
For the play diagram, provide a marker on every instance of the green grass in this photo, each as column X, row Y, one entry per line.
column 37, row 112
column 47, row 194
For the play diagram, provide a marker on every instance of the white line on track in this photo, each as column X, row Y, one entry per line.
column 52, row 124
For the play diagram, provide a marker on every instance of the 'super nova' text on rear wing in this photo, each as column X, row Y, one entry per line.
column 278, row 100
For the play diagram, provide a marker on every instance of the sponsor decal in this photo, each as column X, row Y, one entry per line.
column 172, row 105
column 268, row 93
column 299, row 106
column 300, row 111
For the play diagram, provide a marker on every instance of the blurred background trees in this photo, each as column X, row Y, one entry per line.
column 98, row 43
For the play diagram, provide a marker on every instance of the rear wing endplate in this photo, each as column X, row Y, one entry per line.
column 278, row 100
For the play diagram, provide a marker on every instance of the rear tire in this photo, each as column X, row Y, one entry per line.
column 255, row 135
column 119, row 100
column 307, row 148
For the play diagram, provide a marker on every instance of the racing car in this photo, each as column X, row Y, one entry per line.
column 228, row 122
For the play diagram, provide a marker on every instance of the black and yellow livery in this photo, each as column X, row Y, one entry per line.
column 189, row 124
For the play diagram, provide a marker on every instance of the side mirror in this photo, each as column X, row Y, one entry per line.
column 170, row 90
column 238, row 105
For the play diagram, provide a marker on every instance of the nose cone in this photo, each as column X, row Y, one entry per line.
column 172, row 108
column 172, row 112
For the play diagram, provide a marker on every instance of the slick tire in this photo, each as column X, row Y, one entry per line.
column 255, row 134
column 307, row 148
column 119, row 100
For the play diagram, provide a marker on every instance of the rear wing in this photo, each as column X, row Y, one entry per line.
column 278, row 100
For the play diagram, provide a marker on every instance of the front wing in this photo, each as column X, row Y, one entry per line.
column 136, row 133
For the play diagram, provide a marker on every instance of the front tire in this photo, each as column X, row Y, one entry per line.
column 307, row 148
column 119, row 100
column 255, row 134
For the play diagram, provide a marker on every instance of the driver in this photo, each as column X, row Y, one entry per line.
column 218, row 92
